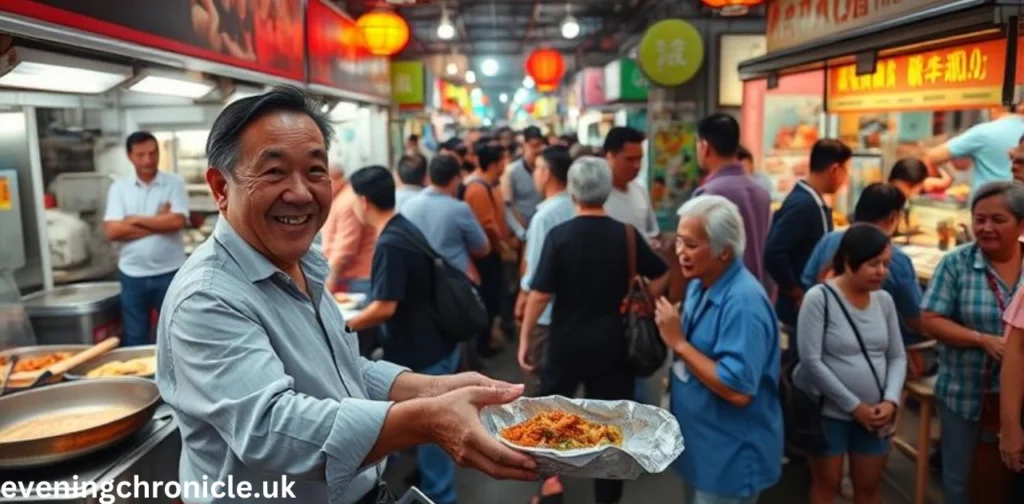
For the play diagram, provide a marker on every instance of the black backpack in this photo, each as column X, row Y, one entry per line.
column 458, row 310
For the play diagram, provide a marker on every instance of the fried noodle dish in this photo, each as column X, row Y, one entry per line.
column 27, row 364
column 562, row 431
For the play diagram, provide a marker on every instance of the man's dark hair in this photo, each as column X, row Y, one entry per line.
column 376, row 184
column 619, row 136
column 412, row 170
column 533, row 133
column 827, row 152
column 860, row 244
column 443, row 169
column 721, row 132
column 488, row 154
column 570, row 139
column 877, row 202
column 413, row 138
column 743, row 154
column 910, row 170
column 137, row 138
column 223, row 146
column 558, row 160
column 1021, row 139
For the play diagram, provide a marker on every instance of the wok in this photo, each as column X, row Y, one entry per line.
column 121, row 354
column 138, row 395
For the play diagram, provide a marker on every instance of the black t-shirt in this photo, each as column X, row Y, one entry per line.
column 404, row 274
column 584, row 265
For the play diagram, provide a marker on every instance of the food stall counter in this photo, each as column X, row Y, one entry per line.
column 151, row 454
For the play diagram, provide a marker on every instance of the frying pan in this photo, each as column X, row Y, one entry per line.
column 138, row 395
column 121, row 354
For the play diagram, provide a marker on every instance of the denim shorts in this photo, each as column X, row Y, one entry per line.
column 848, row 436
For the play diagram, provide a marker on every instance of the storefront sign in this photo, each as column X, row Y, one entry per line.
column 338, row 57
column 732, row 50
column 408, row 83
column 262, row 36
column 5, row 194
column 671, row 52
column 794, row 22
column 624, row 82
column 593, row 87
column 966, row 76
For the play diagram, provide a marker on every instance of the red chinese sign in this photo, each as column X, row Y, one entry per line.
column 338, row 56
column 959, row 77
column 794, row 22
column 265, row 36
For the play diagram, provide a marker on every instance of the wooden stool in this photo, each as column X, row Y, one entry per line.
column 923, row 391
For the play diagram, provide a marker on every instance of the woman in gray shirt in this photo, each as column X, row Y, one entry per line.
column 851, row 353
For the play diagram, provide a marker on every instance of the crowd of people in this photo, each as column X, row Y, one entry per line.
column 553, row 237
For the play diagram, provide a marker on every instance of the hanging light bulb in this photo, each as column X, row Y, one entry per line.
column 489, row 67
column 503, row 97
column 528, row 82
column 453, row 69
column 470, row 77
column 570, row 27
column 445, row 29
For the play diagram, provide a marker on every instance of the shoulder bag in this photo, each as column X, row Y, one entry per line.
column 801, row 410
column 645, row 350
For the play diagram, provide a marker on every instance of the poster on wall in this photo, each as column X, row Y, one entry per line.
column 338, row 57
column 791, row 122
column 672, row 158
column 732, row 50
column 263, row 35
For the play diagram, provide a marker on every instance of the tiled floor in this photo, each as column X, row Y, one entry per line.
column 476, row 488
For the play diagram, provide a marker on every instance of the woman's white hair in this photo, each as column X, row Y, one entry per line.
column 722, row 222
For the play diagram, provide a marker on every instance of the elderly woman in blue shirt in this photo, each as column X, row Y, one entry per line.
column 726, row 371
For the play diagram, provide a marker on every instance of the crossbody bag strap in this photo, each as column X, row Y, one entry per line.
column 860, row 340
column 420, row 244
column 630, row 254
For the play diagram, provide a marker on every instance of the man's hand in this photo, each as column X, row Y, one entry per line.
column 864, row 415
column 444, row 384
column 454, row 424
column 523, row 356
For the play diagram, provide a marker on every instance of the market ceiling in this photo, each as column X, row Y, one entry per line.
column 507, row 30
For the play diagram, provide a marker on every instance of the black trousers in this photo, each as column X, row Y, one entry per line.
column 610, row 383
column 491, row 285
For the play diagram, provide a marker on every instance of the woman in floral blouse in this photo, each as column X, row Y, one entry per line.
column 962, row 309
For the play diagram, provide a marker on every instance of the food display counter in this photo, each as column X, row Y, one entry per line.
column 151, row 454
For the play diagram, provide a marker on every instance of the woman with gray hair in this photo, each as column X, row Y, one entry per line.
column 725, row 373
column 584, row 268
column 971, row 288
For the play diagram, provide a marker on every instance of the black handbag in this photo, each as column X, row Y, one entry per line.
column 801, row 410
column 645, row 350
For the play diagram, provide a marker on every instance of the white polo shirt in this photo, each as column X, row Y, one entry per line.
column 155, row 254
column 633, row 206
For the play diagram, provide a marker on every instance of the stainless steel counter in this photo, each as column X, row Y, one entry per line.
column 151, row 455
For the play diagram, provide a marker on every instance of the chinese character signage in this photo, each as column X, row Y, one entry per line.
column 338, row 57
column 671, row 52
column 408, row 81
column 624, row 82
column 262, row 36
column 966, row 76
column 794, row 22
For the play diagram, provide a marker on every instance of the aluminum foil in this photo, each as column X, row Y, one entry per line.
column 651, row 437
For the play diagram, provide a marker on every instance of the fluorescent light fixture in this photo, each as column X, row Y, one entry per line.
column 453, row 68
column 503, row 97
column 28, row 68
column 489, row 67
column 528, row 82
column 570, row 27
column 470, row 76
column 172, row 86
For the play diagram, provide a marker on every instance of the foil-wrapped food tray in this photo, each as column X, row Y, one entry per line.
column 651, row 437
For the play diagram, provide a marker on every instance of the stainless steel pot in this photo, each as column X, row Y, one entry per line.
column 140, row 396
column 120, row 354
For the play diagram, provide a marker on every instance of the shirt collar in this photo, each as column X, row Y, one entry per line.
column 731, row 170
column 564, row 195
column 255, row 266
column 814, row 194
column 157, row 180
column 411, row 188
column 718, row 289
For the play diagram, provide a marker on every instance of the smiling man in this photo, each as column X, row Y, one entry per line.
column 253, row 355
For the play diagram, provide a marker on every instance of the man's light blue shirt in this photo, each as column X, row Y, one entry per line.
column 988, row 145
column 448, row 224
column 405, row 193
column 155, row 254
column 730, row 451
column 264, row 381
column 550, row 213
column 901, row 283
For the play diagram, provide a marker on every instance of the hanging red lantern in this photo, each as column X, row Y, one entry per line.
column 385, row 32
column 546, row 67
column 732, row 7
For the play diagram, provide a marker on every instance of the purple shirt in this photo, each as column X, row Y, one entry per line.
column 732, row 183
